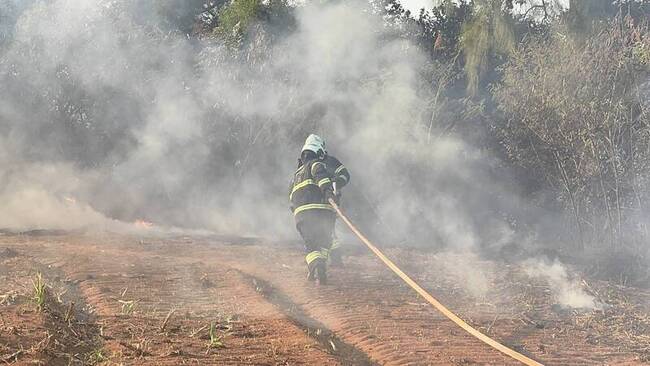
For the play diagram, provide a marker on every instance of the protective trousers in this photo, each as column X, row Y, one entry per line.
column 316, row 231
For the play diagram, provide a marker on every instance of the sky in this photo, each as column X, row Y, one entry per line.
column 415, row 5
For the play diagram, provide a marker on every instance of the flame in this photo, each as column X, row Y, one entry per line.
column 70, row 200
column 143, row 224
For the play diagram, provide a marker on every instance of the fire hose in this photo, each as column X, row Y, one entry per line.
column 436, row 304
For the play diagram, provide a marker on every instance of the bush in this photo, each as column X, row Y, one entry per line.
column 573, row 119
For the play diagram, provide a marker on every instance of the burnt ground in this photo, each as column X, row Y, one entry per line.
column 114, row 299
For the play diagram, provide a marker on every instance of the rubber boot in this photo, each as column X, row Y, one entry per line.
column 311, row 271
column 321, row 269
column 317, row 270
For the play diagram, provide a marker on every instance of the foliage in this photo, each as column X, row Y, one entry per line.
column 489, row 32
column 583, row 16
column 216, row 341
column 128, row 307
column 441, row 28
column 40, row 291
column 235, row 18
column 97, row 356
column 575, row 120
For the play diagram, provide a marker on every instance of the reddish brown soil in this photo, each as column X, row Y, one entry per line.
column 265, row 312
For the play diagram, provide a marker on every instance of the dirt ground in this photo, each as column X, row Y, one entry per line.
column 206, row 300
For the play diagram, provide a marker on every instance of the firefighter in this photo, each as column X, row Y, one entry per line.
column 341, row 177
column 312, row 186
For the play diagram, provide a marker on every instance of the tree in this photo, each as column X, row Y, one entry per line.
column 489, row 32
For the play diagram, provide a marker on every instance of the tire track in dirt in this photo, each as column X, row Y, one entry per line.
column 370, row 311
column 373, row 311
column 253, row 331
column 347, row 354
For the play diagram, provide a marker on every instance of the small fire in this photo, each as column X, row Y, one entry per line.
column 143, row 224
column 70, row 200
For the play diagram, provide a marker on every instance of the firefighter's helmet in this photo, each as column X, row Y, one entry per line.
column 314, row 143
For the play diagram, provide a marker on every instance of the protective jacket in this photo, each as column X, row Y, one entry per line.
column 337, row 170
column 307, row 190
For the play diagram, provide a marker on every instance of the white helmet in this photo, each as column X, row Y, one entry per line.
column 314, row 143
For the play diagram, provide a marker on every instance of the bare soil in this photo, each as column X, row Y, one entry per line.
column 115, row 299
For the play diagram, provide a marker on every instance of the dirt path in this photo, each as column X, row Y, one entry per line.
column 263, row 310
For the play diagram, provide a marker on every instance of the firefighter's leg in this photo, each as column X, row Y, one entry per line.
column 311, row 232
column 335, row 256
column 325, row 241
column 315, row 266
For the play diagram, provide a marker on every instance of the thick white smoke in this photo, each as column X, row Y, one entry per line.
column 134, row 122
column 566, row 290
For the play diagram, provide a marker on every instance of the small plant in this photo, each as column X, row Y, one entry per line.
column 69, row 315
column 127, row 306
column 216, row 341
column 96, row 357
column 40, row 291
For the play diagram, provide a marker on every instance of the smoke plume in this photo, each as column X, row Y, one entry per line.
column 565, row 289
column 106, row 114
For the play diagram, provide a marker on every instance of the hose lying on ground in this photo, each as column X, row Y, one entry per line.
column 446, row 312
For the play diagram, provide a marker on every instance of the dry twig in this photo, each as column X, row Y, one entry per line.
column 169, row 315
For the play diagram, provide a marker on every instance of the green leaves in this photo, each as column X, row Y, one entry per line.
column 489, row 32
column 40, row 291
column 235, row 18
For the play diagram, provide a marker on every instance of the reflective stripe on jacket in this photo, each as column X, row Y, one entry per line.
column 307, row 190
column 337, row 170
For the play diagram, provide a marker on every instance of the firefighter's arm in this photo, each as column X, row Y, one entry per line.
column 342, row 176
column 322, row 178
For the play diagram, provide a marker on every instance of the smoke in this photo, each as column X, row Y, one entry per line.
column 102, row 104
column 29, row 203
column 565, row 289
column 467, row 269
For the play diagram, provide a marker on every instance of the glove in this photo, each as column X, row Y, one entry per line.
column 329, row 194
column 335, row 196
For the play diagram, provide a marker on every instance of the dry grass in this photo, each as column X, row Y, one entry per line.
column 622, row 320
